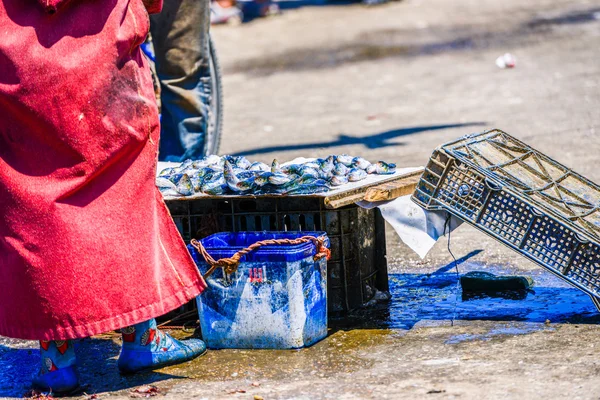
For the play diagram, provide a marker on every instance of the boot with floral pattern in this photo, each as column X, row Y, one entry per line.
column 147, row 347
column 59, row 371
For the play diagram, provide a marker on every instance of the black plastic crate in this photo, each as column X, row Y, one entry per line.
column 358, row 264
column 522, row 198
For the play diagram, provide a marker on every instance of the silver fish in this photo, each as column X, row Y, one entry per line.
column 279, row 179
column 338, row 180
column 312, row 164
column 215, row 187
column 164, row 183
column 291, row 169
column 183, row 184
column 196, row 183
column 245, row 174
column 344, row 159
column 326, row 165
column 240, row 162
column 275, row 166
column 340, row 169
column 186, row 164
column 357, row 174
column 384, row 168
column 262, row 179
column 167, row 172
column 308, row 189
column 309, row 171
column 359, row 162
column 235, row 184
column 309, row 180
column 259, row 166
column 212, row 160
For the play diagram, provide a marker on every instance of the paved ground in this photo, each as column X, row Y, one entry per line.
column 392, row 83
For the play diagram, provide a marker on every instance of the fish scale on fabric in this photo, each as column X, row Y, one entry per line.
column 214, row 175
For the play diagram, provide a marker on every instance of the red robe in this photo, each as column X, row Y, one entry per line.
column 87, row 244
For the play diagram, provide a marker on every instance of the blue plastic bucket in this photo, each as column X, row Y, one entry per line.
column 277, row 298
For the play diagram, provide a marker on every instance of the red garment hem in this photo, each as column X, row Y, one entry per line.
column 133, row 317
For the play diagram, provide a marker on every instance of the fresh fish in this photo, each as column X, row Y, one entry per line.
column 246, row 174
column 312, row 164
column 262, row 179
column 309, row 180
column 196, row 183
column 238, row 162
column 205, row 173
column 167, row 172
column 235, row 174
column 340, row 169
column 338, row 180
column 291, row 169
column 234, row 183
column 259, row 166
column 164, row 183
column 308, row 189
column 183, row 184
column 309, row 171
column 216, row 186
column 275, row 166
column 344, row 159
column 326, row 165
column 381, row 168
column 212, row 159
column 359, row 162
column 186, row 164
column 279, row 179
column 357, row 174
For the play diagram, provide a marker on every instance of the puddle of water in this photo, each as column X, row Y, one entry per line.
column 437, row 297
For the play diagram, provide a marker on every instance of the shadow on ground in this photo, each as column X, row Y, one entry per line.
column 97, row 364
column 411, row 43
column 374, row 141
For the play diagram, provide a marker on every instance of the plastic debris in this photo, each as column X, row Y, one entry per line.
column 506, row 60
column 145, row 391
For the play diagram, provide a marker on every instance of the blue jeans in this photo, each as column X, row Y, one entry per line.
column 180, row 38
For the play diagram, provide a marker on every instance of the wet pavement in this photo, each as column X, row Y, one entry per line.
column 426, row 303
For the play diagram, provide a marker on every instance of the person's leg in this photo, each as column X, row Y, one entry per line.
column 59, row 371
column 180, row 38
column 146, row 347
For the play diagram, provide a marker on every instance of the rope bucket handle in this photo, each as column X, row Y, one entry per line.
column 230, row 264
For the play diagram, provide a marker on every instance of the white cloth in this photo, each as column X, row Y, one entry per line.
column 418, row 228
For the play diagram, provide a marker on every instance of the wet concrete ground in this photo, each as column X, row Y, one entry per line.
column 424, row 340
column 392, row 83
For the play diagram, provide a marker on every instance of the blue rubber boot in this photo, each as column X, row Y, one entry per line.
column 59, row 371
column 147, row 347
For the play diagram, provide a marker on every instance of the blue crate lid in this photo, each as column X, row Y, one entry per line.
column 226, row 244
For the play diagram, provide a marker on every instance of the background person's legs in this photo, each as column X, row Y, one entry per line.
column 180, row 37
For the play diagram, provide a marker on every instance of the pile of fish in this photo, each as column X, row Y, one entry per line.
column 216, row 175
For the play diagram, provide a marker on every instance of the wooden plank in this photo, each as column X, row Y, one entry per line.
column 392, row 190
column 352, row 195
column 332, row 203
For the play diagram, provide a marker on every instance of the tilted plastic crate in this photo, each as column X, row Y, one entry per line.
column 524, row 199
